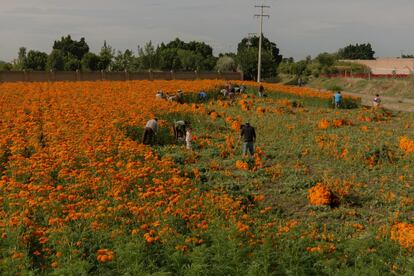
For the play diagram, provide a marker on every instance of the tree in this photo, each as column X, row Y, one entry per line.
column 226, row 64
column 326, row 59
column 287, row 66
column 190, row 60
column 36, row 61
column 90, row 62
column 253, row 42
column 56, row 61
column 71, row 47
column 247, row 56
column 72, row 63
column 125, row 61
column 5, row 66
column 248, row 59
column 105, row 57
column 200, row 53
column 148, row 56
column 169, row 59
column 358, row 51
column 19, row 63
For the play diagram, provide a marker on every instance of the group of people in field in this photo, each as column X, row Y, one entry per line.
column 178, row 97
column 338, row 101
column 183, row 130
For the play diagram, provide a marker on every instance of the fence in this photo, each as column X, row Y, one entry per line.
column 41, row 76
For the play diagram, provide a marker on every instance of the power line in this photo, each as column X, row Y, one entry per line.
column 261, row 16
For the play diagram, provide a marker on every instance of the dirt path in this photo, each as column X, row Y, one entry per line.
column 392, row 103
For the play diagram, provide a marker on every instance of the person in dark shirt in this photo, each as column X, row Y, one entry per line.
column 248, row 134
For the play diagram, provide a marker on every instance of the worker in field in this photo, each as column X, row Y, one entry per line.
column 202, row 96
column 262, row 92
column 188, row 137
column 159, row 95
column 180, row 128
column 338, row 99
column 242, row 89
column 377, row 101
column 248, row 135
column 150, row 131
column 180, row 97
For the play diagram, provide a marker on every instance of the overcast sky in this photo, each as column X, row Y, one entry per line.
column 299, row 27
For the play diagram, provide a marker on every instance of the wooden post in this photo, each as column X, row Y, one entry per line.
column 172, row 75
column 78, row 76
column 102, row 75
column 196, row 74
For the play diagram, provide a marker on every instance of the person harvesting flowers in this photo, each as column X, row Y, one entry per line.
column 248, row 134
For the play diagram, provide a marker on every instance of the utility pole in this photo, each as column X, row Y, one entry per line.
column 260, row 16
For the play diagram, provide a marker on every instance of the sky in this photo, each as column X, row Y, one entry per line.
column 299, row 27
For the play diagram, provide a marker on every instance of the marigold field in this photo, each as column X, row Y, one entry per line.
column 328, row 191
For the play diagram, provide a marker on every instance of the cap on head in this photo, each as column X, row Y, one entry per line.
column 156, row 119
column 247, row 124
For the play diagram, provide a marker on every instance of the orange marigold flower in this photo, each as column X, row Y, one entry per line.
column 320, row 195
column 404, row 234
column 241, row 165
column 323, row 124
column 407, row 145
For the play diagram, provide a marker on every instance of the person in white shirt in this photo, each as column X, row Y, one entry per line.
column 160, row 95
column 151, row 129
column 188, row 138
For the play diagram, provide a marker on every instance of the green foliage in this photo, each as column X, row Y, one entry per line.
column 36, row 61
column 5, row 66
column 189, row 60
column 105, row 57
column 149, row 59
column 90, row 62
column 56, row 61
column 247, row 57
column 358, row 51
column 253, row 42
column 179, row 55
column 169, row 59
column 125, row 61
column 72, row 63
column 19, row 63
column 71, row 47
column 226, row 64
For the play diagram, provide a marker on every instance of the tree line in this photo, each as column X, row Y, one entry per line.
column 68, row 54
column 328, row 63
